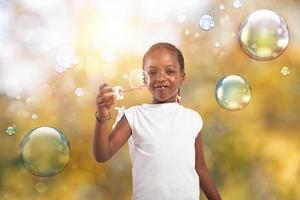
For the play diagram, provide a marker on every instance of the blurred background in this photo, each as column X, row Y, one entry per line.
column 55, row 53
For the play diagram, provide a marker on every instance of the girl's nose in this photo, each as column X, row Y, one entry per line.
column 161, row 76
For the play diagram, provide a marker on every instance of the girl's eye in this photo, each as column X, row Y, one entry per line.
column 171, row 71
column 152, row 72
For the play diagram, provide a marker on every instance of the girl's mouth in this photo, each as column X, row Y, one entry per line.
column 161, row 87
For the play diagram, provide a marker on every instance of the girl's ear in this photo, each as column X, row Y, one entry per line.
column 182, row 77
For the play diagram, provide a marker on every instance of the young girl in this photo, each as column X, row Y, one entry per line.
column 164, row 137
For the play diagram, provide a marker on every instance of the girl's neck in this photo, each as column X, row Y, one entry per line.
column 155, row 101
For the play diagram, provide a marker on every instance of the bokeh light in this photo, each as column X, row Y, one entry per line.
column 264, row 35
column 233, row 93
column 45, row 151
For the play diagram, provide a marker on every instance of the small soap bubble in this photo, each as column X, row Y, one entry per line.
column 34, row 116
column 45, row 151
column 139, row 78
column 217, row 44
column 125, row 76
column 40, row 187
column 285, row 71
column 10, row 131
column 233, row 93
column 79, row 92
column 181, row 18
column 237, row 4
column 206, row 22
column 263, row 35
column 61, row 67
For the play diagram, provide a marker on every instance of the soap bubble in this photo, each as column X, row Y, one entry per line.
column 79, row 92
column 285, row 71
column 263, row 35
column 139, row 78
column 40, row 187
column 233, row 93
column 10, row 131
column 237, row 4
column 61, row 67
column 34, row 116
column 206, row 22
column 45, row 151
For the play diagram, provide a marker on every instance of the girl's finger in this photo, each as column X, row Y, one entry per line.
column 102, row 86
column 106, row 97
column 104, row 90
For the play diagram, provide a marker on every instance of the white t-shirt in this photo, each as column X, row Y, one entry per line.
column 162, row 151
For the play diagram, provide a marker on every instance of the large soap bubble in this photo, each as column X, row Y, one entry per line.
column 233, row 93
column 138, row 79
column 45, row 151
column 264, row 35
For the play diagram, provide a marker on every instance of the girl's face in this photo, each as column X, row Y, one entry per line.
column 165, row 75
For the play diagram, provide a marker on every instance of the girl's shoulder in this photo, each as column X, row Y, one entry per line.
column 194, row 113
column 132, row 108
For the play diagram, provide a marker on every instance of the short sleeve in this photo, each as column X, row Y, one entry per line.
column 198, row 122
column 129, row 113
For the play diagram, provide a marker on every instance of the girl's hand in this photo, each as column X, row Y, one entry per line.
column 104, row 99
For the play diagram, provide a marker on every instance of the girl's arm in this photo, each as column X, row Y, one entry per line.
column 106, row 144
column 206, row 181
